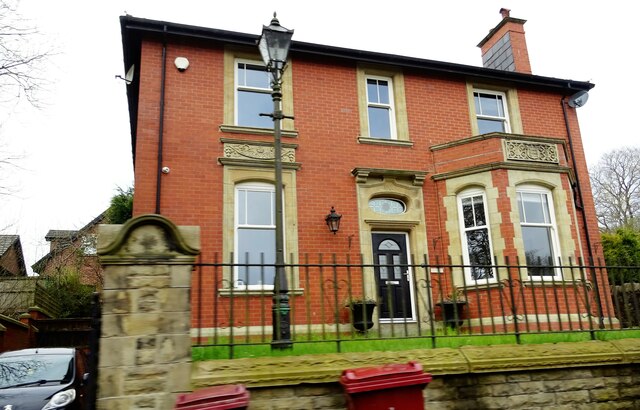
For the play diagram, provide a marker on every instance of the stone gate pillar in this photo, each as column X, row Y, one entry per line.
column 145, row 346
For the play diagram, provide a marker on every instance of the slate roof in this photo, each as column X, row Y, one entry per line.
column 6, row 243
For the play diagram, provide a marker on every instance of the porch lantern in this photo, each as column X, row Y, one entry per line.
column 333, row 220
column 274, row 46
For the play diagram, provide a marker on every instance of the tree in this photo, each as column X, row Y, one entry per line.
column 616, row 189
column 21, row 61
column 75, row 298
column 21, row 67
column 121, row 208
column 621, row 250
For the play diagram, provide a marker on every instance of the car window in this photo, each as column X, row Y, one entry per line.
column 37, row 368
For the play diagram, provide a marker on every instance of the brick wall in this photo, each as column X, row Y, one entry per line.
column 325, row 101
column 327, row 119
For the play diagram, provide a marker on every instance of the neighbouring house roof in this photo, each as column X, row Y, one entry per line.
column 133, row 29
column 68, row 237
column 8, row 242
column 59, row 234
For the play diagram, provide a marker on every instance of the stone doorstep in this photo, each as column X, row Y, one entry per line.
column 281, row 371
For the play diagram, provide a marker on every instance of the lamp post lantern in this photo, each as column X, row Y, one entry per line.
column 274, row 46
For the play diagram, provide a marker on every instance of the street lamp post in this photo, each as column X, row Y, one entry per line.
column 274, row 47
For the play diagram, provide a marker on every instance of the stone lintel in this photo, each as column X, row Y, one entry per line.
column 362, row 174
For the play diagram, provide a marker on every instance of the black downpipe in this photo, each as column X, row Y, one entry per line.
column 161, row 125
column 578, row 193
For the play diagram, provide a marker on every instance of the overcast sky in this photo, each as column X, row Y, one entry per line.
column 76, row 150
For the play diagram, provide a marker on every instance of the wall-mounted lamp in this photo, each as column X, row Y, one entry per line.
column 333, row 220
column 181, row 63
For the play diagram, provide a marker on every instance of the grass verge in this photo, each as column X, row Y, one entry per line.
column 360, row 343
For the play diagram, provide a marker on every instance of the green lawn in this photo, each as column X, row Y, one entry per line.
column 361, row 343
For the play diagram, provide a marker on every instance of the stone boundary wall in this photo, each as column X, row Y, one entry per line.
column 579, row 375
column 607, row 387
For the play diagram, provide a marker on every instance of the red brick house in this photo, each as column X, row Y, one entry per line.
column 73, row 250
column 427, row 161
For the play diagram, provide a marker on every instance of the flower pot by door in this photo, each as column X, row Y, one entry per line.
column 452, row 313
column 362, row 315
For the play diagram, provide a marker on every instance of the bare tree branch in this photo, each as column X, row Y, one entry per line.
column 21, row 75
column 616, row 188
column 21, row 60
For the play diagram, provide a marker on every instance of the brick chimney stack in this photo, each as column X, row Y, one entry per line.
column 505, row 47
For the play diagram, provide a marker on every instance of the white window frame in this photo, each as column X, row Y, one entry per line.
column 237, row 87
column 555, row 248
column 250, row 186
column 505, row 108
column 390, row 107
column 470, row 193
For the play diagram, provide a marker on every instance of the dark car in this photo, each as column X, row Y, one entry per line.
column 43, row 379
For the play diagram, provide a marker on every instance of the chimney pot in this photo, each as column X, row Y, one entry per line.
column 505, row 12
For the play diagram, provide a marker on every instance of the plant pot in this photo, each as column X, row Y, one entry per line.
column 362, row 315
column 452, row 312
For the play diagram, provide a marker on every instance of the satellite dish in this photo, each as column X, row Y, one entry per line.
column 128, row 78
column 578, row 99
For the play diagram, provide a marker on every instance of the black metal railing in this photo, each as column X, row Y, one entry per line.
column 343, row 302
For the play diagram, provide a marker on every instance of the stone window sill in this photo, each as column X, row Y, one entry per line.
column 236, row 129
column 380, row 141
column 255, row 292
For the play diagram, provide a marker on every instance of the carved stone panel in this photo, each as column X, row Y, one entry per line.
column 248, row 151
column 531, row 151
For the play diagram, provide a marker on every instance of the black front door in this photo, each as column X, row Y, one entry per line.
column 392, row 275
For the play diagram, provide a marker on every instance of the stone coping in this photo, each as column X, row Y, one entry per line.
column 326, row 368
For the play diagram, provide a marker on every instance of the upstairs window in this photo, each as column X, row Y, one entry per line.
column 476, row 238
column 253, row 95
column 539, row 232
column 380, row 108
column 255, row 235
column 491, row 111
